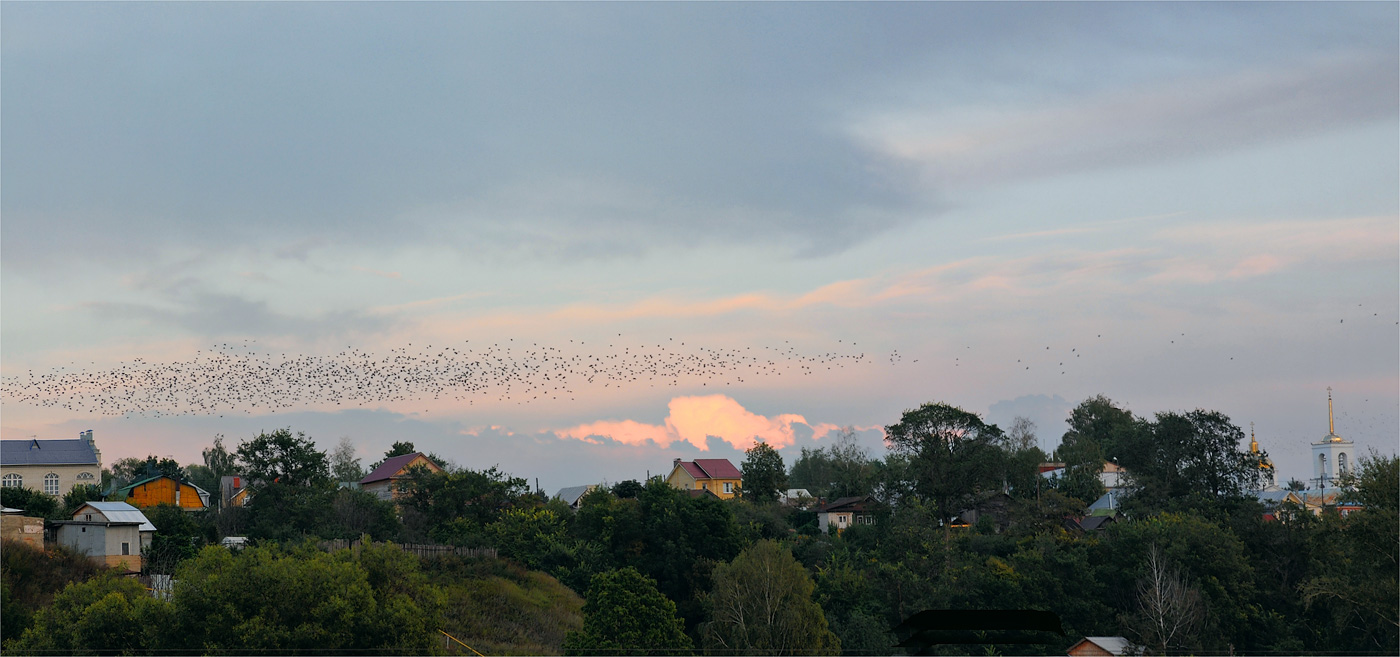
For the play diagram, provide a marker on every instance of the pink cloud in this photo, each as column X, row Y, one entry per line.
column 694, row 419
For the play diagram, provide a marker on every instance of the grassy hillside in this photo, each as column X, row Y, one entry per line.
column 500, row 608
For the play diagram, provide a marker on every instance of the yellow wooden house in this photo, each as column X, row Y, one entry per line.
column 718, row 476
column 163, row 489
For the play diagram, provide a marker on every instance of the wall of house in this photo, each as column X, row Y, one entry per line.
column 162, row 491
column 67, row 475
column 90, row 540
column 681, row 479
column 383, row 488
column 22, row 528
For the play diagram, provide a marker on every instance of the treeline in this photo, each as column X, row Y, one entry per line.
column 1192, row 565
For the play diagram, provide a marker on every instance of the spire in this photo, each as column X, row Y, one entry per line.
column 1330, row 430
column 1253, row 444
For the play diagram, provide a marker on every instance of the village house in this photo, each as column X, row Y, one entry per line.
column 573, row 495
column 110, row 533
column 718, row 476
column 51, row 466
column 384, row 480
column 1102, row 646
column 845, row 512
column 163, row 489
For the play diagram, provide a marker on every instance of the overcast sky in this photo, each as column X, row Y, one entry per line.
column 1190, row 205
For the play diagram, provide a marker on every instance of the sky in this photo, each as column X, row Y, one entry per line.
column 1006, row 207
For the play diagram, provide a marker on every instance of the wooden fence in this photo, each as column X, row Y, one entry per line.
column 421, row 549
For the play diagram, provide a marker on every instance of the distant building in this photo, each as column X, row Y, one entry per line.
column 50, row 466
column 798, row 497
column 718, row 476
column 163, row 489
column 1103, row 646
column 573, row 495
column 384, row 480
column 110, row 533
column 1334, row 459
column 15, row 526
column 1265, row 477
column 845, row 512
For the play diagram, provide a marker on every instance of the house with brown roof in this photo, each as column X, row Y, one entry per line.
column 844, row 512
column 1103, row 646
column 385, row 478
column 718, row 476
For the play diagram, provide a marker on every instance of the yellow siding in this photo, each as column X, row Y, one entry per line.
column 162, row 491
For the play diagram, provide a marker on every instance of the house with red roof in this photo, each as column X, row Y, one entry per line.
column 718, row 476
column 384, row 480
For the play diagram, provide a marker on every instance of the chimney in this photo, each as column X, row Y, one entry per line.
column 676, row 463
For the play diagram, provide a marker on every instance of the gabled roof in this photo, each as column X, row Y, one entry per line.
column 572, row 494
column 46, row 452
column 120, row 512
column 1114, row 645
column 718, row 469
column 391, row 467
column 125, row 491
column 856, row 503
column 1092, row 523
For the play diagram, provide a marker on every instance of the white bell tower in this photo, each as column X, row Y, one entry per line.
column 1333, row 456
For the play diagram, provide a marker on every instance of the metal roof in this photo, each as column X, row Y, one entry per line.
column 572, row 494
column 391, row 467
column 119, row 512
column 719, row 468
column 47, row 452
column 1114, row 645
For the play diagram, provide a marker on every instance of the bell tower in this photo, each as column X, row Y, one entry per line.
column 1333, row 456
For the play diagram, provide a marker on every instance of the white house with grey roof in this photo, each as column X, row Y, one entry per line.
column 50, row 466
column 110, row 533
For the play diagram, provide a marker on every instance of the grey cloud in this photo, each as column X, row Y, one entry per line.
column 215, row 314
column 132, row 127
column 1048, row 412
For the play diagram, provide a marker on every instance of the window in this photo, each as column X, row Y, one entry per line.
column 1342, row 463
column 728, row 486
column 12, row 480
column 126, row 549
column 51, row 484
column 88, row 517
column 84, row 476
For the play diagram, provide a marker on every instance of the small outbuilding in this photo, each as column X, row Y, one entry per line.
column 1103, row 646
column 110, row 533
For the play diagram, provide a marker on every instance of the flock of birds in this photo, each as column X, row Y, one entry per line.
column 237, row 378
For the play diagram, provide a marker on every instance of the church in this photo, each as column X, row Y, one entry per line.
column 1333, row 459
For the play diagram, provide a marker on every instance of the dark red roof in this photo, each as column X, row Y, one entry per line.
column 693, row 470
column 389, row 468
column 718, row 468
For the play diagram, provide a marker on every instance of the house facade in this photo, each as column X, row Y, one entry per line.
column 843, row 513
column 718, row 476
column 162, row 489
column 384, row 480
column 50, row 466
column 113, row 534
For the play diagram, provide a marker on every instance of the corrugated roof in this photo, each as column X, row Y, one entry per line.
column 390, row 467
column 1115, row 645
column 693, row 470
column 572, row 494
column 46, row 452
column 119, row 512
column 719, row 468
column 856, row 503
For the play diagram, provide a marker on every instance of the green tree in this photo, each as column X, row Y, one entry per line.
column 280, row 457
column 127, row 470
column 33, row 503
column 1192, row 460
column 108, row 615
column 219, row 460
column 953, row 458
column 761, row 603
column 842, row 469
column 345, row 466
column 624, row 614
column 1354, row 576
column 765, row 476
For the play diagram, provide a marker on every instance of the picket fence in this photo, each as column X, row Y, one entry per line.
column 421, row 549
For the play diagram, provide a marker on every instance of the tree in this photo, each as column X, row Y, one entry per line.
column 80, row 495
column 32, row 502
column 843, row 469
column 219, row 460
column 109, row 614
column 627, row 489
column 624, row 614
column 127, row 470
column 1021, row 435
column 954, row 461
column 1187, row 460
column 761, row 603
column 765, row 476
column 345, row 466
column 1169, row 611
column 1098, row 429
column 280, row 457
column 400, row 449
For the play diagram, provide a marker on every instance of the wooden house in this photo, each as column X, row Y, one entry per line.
column 163, row 489
column 384, row 480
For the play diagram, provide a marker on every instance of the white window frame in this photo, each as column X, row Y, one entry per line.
column 51, row 483
column 729, row 487
column 12, row 480
column 84, row 476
